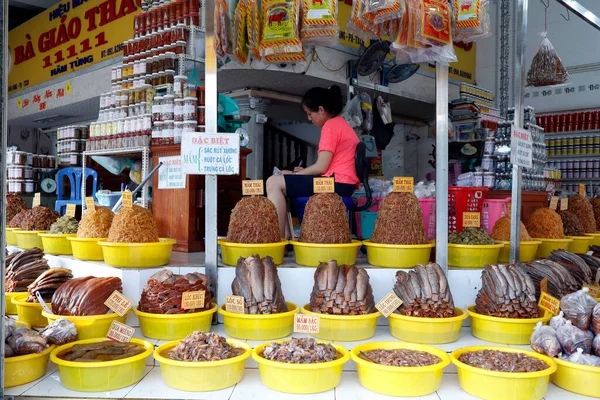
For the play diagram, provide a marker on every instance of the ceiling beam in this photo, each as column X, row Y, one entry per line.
column 581, row 12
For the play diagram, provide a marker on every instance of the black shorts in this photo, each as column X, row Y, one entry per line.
column 302, row 186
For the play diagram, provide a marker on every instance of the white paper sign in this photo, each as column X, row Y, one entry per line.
column 210, row 154
column 170, row 175
column 521, row 151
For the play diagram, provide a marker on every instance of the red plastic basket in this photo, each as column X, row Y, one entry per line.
column 460, row 200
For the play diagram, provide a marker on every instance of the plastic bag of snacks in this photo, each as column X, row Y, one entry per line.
column 558, row 320
column 546, row 67
column 361, row 23
column 319, row 22
column 385, row 10
column 280, row 35
column 596, row 319
column 578, row 308
column 471, row 20
column 240, row 32
column 596, row 345
column 223, row 45
column 584, row 359
column 544, row 341
column 253, row 28
column 572, row 338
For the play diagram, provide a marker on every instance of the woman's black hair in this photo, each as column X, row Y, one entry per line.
column 330, row 99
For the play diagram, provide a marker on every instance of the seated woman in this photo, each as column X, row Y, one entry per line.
column 337, row 148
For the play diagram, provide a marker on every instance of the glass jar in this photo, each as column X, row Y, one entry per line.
column 189, row 127
column 172, row 13
column 168, row 108
column 167, row 133
column 201, row 96
column 189, row 108
column 169, row 60
column 179, row 12
column 167, row 36
column 162, row 78
column 131, row 97
column 179, row 110
column 194, row 19
column 157, row 109
column 161, row 62
column 177, row 132
column 157, row 133
column 180, row 47
column 180, row 83
column 155, row 65
column 169, row 77
column 201, row 115
column 155, row 80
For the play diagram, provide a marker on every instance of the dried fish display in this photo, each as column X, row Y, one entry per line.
column 592, row 261
column 201, row 346
column 14, row 205
column 20, row 340
column 341, row 290
column 18, row 219
column 253, row 220
column 576, row 266
column 164, row 290
column 546, row 68
column 502, row 361
column 325, row 220
column 501, row 230
column 84, row 296
column 545, row 223
column 102, row 351
column 64, row 225
column 133, row 225
column 474, row 236
column 48, row 283
column 560, row 281
column 399, row 210
column 258, row 282
column 39, row 219
column 571, row 224
column 424, row 292
column 60, row 331
column 400, row 357
column 582, row 208
column 95, row 223
column 596, row 208
column 507, row 292
column 300, row 351
column 23, row 269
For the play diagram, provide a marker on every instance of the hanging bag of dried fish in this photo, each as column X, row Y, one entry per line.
column 501, row 234
column 583, row 210
column 546, row 68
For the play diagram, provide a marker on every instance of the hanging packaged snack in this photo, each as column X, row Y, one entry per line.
column 241, row 33
column 253, row 28
column 385, row 10
column 280, row 35
column 360, row 23
column 546, row 68
column 319, row 22
column 471, row 20
column 223, row 45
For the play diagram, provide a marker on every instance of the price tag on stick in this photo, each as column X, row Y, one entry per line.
column 120, row 332
column 388, row 304
column 118, row 303
column 471, row 220
column 253, row 187
column 582, row 189
column 307, row 323
column 89, row 203
column 234, row 304
column 324, row 185
column 127, row 199
column 37, row 200
column 71, row 208
column 404, row 184
column 192, row 300
column 554, row 203
column 564, row 204
column 549, row 303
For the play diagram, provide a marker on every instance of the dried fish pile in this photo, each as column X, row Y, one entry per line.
column 201, row 346
column 48, row 283
column 24, row 268
column 501, row 361
column 576, row 266
column 560, row 281
column 341, row 290
column 258, row 282
column 39, row 219
column 473, row 236
column 20, row 340
column 103, row 351
column 84, row 296
column 571, row 224
column 596, row 208
column 163, row 292
column 400, row 357
column 507, row 292
column 18, row 219
column 501, row 230
column 253, row 220
column 545, row 223
column 399, row 210
column 14, row 205
column 424, row 292
column 300, row 351
column 582, row 208
column 592, row 261
column 325, row 220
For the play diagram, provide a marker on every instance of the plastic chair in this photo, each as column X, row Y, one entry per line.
column 74, row 174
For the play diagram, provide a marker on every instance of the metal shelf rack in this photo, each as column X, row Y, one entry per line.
column 574, row 157
column 572, row 134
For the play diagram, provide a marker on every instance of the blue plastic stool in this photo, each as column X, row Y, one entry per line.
column 74, row 174
column 300, row 204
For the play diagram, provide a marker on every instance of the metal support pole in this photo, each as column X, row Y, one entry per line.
column 210, row 194
column 4, row 92
column 441, row 166
column 515, row 215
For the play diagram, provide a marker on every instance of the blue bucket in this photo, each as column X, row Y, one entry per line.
column 367, row 223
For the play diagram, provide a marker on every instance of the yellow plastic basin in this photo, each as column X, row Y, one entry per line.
column 548, row 245
column 504, row 330
column 580, row 244
column 20, row 370
column 397, row 255
column 231, row 252
column 399, row 381
column 311, row 254
column 29, row 239
column 89, row 326
column 472, row 256
column 11, row 308
column 577, row 378
column 101, row 376
column 174, row 326
column 30, row 312
column 345, row 328
column 494, row 385
column 202, row 376
column 137, row 255
column 595, row 238
column 57, row 244
column 300, row 378
column 86, row 249
column 427, row 330
column 527, row 251
column 11, row 237
column 259, row 326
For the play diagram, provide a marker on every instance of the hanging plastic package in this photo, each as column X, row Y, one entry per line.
column 280, row 34
column 319, row 22
column 471, row 20
column 241, row 33
column 223, row 45
column 360, row 23
column 352, row 113
column 385, row 10
column 253, row 28
column 546, row 68
column 366, row 106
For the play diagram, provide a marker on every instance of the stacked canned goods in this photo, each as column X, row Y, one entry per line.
column 573, row 145
column 24, row 170
column 71, row 143
column 574, row 121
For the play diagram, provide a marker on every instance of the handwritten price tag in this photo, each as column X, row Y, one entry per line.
column 323, row 185
column 582, row 189
column 554, row 203
column 471, row 219
column 564, row 204
column 37, row 200
column 191, row 300
column 89, row 203
column 388, row 304
column 404, row 184
column 234, row 304
column 307, row 323
column 127, row 199
column 71, row 208
column 119, row 332
column 253, row 187
column 118, row 303
column 549, row 303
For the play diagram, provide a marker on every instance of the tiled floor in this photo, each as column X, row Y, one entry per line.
column 250, row 388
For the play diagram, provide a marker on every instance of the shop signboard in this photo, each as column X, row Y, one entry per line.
column 67, row 37
column 521, row 152
column 170, row 175
column 210, row 154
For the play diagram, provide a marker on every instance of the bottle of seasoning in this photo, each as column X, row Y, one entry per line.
column 157, row 109
column 168, row 108
column 157, row 133
column 167, row 133
column 190, row 105
column 180, row 83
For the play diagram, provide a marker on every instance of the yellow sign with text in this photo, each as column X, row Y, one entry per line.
column 253, row 187
column 549, row 303
column 323, row 185
column 404, row 184
column 471, row 219
column 67, row 37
